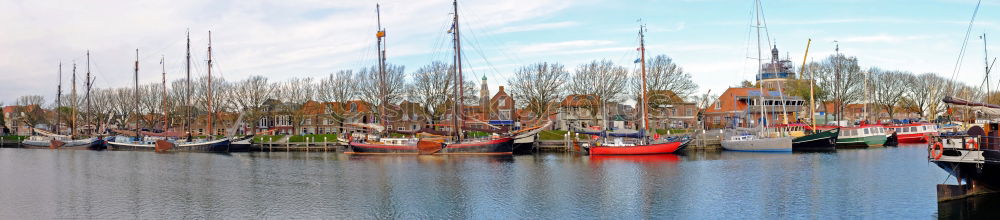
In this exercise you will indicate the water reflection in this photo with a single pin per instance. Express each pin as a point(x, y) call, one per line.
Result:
point(866, 183)
point(979, 207)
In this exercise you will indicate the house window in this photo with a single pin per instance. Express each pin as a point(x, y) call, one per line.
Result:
point(689, 112)
point(718, 105)
point(502, 101)
point(504, 114)
point(354, 107)
point(308, 121)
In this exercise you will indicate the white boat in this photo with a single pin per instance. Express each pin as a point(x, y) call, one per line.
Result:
point(93, 143)
point(758, 144)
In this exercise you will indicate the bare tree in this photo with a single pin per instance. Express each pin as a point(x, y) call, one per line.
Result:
point(842, 77)
point(102, 107)
point(431, 85)
point(369, 86)
point(294, 93)
point(602, 81)
point(200, 96)
point(923, 93)
point(887, 89)
point(249, 96)
point(338, 88)
point(662, 74)
point(537, 85)
point(123, 106)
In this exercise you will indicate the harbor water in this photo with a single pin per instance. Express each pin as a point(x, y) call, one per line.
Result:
point(878, 183)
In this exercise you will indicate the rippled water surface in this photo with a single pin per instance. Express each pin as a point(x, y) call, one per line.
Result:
point(895, 183)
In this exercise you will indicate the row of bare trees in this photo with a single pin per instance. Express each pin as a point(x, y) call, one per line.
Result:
point(535, 86)
point(840, 80)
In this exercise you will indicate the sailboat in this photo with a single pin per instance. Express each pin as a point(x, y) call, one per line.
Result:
point(644, 145)
point(173, 141)
point(763, 140)
point(45, 139)
point(457, 144)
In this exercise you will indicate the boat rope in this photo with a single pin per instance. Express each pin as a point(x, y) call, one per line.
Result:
point(961, 52)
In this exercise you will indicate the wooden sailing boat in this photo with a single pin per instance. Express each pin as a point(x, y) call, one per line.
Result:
point(644, 145)
point(763, 140)
point(458, 145)
point(50, 140)
point(173, 141)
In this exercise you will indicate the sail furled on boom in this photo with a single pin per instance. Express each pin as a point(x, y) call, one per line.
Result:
point(975, 107)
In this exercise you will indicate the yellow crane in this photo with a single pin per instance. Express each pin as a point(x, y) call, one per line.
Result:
point(812, 99)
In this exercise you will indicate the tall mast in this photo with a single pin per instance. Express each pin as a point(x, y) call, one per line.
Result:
point(210, 111)
point(187, 92)
point(137, 114)
point(72, 120)
point(986, 64)
point(381, 67)
point(164, 103)
point(89, 86)
point(59, 100)
point(642, 59)
point(760, 84)
point(836, 72)
point(458, 76)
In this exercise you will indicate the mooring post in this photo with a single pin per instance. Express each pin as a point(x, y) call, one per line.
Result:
point(325, 148)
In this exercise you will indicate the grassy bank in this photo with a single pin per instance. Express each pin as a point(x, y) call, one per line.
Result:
point(313, 138)
point(555, 135)
point(266, 138)
point(672, 131)
point(296, 138)
point(13, 137)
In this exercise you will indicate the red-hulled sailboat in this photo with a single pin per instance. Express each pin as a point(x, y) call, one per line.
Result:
point(643, 146)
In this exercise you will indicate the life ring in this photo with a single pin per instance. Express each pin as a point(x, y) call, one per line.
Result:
point(937, 150)
point(975, 145)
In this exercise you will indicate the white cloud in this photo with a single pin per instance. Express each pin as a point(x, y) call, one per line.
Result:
point(880, 38)
point(277, 39)
point(555, 47)
point(534, 27)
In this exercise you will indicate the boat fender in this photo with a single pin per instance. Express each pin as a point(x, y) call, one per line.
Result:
point(937, 150)
point(975, 145)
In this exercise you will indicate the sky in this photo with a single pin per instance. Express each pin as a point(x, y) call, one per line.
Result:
point(711, 39)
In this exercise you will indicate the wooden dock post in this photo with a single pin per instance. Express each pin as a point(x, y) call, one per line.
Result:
point(325, 148)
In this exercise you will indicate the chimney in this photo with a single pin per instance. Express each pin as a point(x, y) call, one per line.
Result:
point(501, 89)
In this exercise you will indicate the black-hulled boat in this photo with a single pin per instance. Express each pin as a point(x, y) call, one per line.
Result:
point(818, 141)
point(973, 158)
point(892, 140)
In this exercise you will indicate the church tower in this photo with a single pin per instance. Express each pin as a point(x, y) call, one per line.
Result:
point(484, 98)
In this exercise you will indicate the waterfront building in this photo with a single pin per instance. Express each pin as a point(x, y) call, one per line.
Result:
point(667, 110)
point(741, 107)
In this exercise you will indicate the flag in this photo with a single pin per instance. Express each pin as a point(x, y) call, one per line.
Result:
point(637, 61)
point(452, 28)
